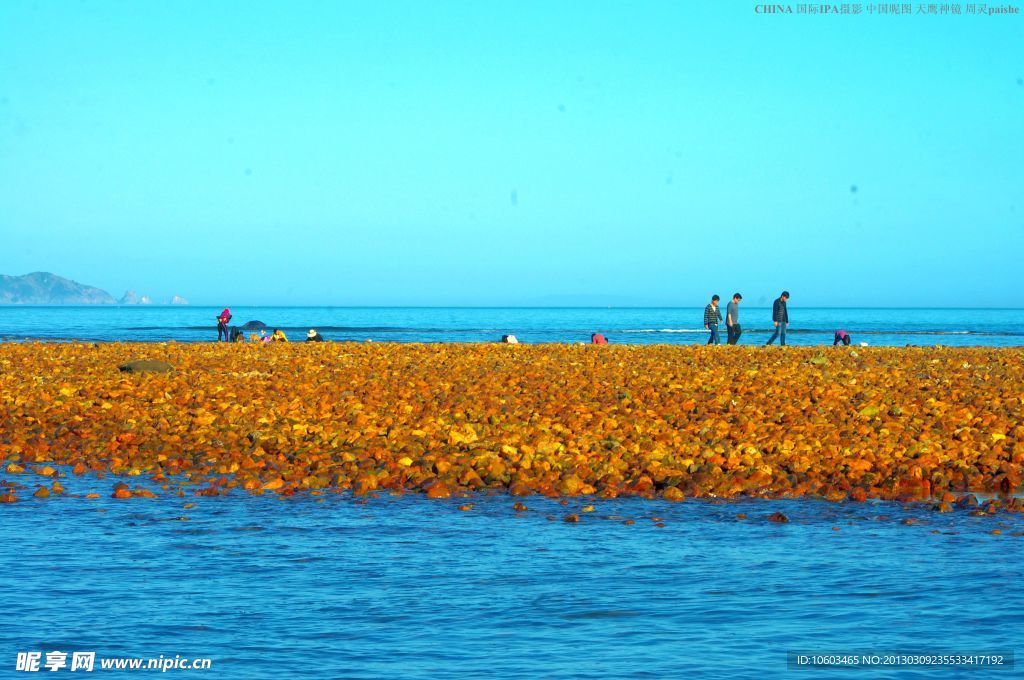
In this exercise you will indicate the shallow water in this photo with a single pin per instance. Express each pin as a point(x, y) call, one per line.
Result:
point(409, 587)
point(641, 326)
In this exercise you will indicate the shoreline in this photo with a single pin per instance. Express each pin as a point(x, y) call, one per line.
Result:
point(654, 421)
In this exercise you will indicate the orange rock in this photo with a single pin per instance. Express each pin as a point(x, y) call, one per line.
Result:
point(778, 517)
point(672, 494)
point(571, 518)
point(42, 492)
point(121, 494)
point(438, 490)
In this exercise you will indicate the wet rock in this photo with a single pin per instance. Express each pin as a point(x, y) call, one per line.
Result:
point(439, 490)
point(672, 494)
point(778, 517)
point(967, 501)
point(145, 366)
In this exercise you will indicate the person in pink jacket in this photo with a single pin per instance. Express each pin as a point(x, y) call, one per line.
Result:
point(222, 325)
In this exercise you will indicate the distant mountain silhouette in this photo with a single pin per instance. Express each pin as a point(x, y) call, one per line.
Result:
point(44, 288)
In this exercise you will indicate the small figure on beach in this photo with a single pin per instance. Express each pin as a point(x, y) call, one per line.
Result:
point(237, 335)
point(598, 339)
point(314, 336)
point(780, 317)
point(278, 336)
point(732, 320)
point(712, 317)
point(510, 339)
point(222, 325)
point(842, 337)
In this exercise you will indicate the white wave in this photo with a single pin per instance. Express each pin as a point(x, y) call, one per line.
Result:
point(667, 330)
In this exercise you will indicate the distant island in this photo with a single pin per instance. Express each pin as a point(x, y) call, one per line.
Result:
point(44, 288)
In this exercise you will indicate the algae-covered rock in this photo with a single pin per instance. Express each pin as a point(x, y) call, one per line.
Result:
point(145, 366)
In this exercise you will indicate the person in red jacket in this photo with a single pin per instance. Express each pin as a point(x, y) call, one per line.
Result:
point(222, 325)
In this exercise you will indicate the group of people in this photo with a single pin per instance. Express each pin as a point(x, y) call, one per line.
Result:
point(226, 333)
point(713, 317)
point(780, 320)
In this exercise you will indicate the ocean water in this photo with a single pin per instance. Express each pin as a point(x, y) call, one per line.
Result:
point(808, 326)
point(405, 587)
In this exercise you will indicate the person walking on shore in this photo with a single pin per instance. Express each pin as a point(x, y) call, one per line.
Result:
point(732, 320)
point(712, 316)
point(222, 325)
point(780, 317)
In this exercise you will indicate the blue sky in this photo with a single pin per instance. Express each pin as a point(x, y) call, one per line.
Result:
point(512, 153)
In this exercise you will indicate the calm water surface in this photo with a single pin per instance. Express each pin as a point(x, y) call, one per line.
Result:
point(406, 587)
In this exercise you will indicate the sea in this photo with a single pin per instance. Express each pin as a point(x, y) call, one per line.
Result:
point(627, 325)
point(405, 587)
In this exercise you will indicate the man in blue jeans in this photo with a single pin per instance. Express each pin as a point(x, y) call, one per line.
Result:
point(732, 320)
point(712, 316)
point(780, 317)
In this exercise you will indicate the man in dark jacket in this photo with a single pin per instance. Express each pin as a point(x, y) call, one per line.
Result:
point(780, 317)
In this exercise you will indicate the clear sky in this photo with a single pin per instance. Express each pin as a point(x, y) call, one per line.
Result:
point(512, 153)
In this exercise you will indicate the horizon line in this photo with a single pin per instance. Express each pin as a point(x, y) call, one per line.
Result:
point(107, 305)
